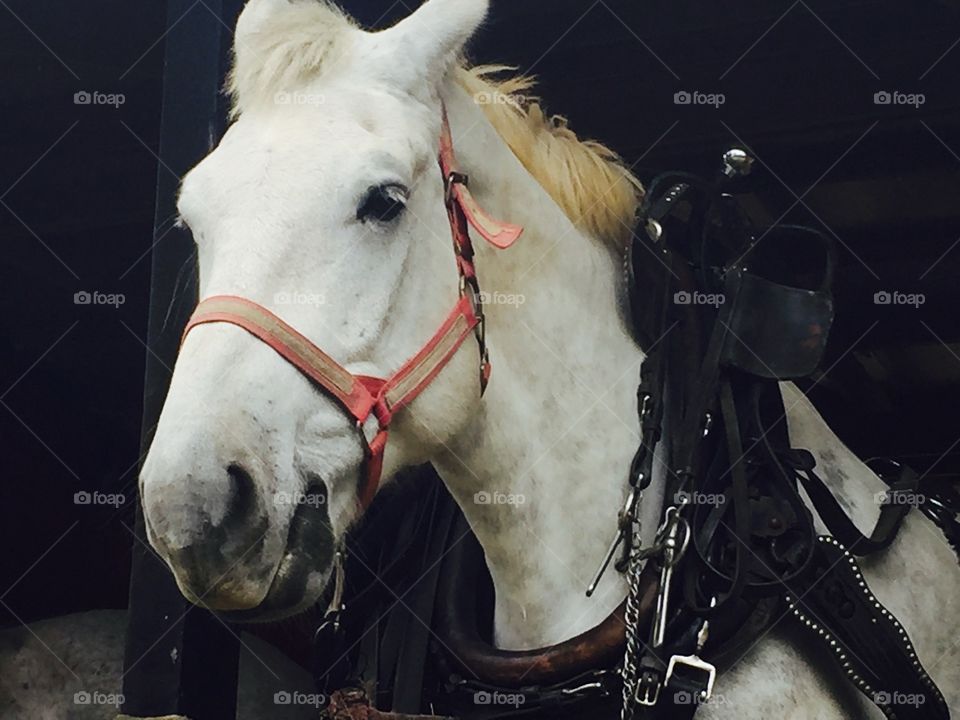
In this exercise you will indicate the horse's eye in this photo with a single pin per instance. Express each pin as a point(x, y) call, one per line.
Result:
point(383, 203)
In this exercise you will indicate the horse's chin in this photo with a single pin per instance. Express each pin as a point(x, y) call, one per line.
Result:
point(271, 610)
point(304, 573)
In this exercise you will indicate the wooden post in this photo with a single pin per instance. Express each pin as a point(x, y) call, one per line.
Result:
point(180, 661)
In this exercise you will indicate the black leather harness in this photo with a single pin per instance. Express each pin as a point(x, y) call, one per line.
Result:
point(735, 311)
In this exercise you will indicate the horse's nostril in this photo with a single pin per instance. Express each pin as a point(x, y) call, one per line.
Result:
point(316, 493)
point(210, 523)
point(243, 495)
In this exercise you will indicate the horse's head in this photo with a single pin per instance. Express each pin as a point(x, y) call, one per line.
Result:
point(324, 204)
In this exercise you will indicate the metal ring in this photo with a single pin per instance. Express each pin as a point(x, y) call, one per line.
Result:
point(685, 526)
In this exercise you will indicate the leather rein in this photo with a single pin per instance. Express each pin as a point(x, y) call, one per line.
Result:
point(363, 397)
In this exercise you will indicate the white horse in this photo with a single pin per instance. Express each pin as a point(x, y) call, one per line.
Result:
point(323, 203)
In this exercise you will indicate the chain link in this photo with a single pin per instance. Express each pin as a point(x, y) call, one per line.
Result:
point(632, 620)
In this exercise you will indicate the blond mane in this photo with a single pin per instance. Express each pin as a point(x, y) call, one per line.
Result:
point(278, 51)
point(585, 178)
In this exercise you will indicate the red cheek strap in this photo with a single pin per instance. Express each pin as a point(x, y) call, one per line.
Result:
point(360, 396)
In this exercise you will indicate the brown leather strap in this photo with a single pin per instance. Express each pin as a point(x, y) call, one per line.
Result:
point(599, 647)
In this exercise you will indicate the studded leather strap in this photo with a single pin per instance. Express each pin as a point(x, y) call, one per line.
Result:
point(868, 642)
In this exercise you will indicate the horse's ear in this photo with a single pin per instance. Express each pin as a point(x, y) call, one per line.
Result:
point(278, 22)
point(280, 43)
point(428, 42)
point(255, 14)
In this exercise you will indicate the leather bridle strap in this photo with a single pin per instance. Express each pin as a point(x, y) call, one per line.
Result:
point(361, 396)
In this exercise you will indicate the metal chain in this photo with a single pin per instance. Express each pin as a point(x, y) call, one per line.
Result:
point(631, 654)
point(629, 527)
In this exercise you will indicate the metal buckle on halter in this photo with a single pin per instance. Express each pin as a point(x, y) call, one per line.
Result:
point(368, 434)
point(454, 178)
point(480, 331)
point(475, 300)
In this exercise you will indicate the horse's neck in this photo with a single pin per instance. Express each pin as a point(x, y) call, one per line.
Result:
point(555, 432)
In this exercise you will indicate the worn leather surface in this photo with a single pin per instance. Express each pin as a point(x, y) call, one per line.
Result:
point(599, 647)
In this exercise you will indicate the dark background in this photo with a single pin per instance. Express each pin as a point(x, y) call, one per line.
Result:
point(78, 186)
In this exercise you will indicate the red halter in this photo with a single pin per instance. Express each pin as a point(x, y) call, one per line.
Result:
point(361, 396)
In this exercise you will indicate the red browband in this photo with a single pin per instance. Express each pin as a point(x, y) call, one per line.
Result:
point(361, 396)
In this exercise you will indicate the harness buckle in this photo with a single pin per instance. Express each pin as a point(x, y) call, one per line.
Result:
point(694, 670)
point(671, 549)
point(648, 688)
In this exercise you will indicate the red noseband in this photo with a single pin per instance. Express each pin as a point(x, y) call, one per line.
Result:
point(361, 396)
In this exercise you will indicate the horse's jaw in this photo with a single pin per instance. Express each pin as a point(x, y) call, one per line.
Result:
point(542, 473)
